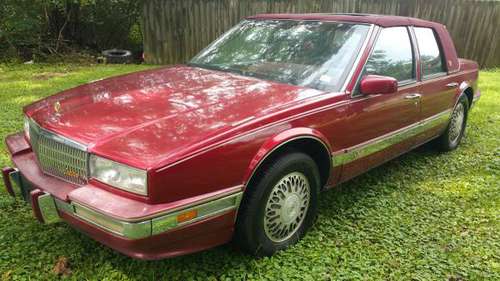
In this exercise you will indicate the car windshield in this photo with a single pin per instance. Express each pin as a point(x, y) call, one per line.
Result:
point(312, 54)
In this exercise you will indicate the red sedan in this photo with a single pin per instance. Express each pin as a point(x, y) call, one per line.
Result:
point(239, 143)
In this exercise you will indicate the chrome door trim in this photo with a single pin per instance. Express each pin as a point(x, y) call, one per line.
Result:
point(375, 145)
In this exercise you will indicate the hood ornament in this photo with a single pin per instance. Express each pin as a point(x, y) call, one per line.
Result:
point(57, 107)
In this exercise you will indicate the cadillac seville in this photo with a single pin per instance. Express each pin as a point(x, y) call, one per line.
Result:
point(238, 143)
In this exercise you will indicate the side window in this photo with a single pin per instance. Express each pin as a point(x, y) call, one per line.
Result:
point(431, 59)
point(392, 55)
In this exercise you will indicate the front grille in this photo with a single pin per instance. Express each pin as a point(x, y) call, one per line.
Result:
point(58, 156)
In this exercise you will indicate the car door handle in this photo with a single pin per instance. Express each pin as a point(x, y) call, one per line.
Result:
point(452, 85)
point(413, 96)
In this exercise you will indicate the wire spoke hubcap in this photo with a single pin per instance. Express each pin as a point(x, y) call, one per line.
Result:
point(456, 123)
point(286, 207)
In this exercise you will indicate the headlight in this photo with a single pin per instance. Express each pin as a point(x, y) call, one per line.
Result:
point(27, 127)
point(118, 175)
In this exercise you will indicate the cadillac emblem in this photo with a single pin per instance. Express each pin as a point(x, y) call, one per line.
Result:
point(57, 107)
point(70, 173)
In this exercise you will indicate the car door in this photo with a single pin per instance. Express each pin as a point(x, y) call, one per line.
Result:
point(376, 121)
point(438, 89)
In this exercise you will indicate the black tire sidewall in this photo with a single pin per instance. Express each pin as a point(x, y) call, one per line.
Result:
point(113, 58)
point(257, 241)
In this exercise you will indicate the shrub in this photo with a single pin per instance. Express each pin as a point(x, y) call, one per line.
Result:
point(35, 29)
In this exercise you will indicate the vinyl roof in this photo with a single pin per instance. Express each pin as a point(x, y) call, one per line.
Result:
point(382, 20)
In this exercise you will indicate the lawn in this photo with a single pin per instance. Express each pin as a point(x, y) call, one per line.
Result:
point(423, 216)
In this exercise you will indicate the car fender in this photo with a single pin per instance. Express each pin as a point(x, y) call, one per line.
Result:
point(278, 140)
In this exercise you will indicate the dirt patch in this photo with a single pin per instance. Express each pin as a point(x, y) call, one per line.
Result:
point(62, 267)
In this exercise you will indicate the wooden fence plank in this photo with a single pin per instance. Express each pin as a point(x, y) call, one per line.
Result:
point(175, 30)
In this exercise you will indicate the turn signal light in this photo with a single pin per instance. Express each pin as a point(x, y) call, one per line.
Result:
point(187, 216)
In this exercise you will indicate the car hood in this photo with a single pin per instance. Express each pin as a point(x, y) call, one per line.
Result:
point(144, 117)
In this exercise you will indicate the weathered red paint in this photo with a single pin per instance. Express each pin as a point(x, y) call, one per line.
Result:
point(200, 132)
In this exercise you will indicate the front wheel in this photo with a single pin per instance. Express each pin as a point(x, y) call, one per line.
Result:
point(454, 133)
point(279, 207)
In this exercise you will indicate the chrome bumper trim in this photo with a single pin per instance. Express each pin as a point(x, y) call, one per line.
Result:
point(152, 226)
point(121, 228)
point(20, 187)
point(50, 209)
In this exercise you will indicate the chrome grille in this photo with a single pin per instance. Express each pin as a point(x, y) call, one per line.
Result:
point(58, 156)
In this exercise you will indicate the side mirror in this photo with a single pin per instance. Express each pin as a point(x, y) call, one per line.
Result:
point(376, 84)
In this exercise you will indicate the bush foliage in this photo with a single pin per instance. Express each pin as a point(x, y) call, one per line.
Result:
point(35, 29)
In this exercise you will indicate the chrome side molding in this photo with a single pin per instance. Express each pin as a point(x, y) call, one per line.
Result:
point(372, 146)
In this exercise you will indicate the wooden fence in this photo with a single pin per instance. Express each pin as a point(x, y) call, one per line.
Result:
point(175, 30)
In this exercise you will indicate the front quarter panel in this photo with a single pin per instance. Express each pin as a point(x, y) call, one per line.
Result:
point(223, 166)
point(230, 163)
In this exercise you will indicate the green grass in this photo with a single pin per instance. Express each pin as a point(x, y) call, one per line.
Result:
point(422, 216)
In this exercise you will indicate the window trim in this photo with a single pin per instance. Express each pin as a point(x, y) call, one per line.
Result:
point(404, 83)
point(351, 73)
point(435, 75)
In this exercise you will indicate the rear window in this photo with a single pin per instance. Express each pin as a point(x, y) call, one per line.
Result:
point(431, 58)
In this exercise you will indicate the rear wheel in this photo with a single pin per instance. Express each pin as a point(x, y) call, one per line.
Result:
point(280, 206)
point(454, 133)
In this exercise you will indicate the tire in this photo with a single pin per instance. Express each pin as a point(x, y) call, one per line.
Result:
point(259, 221)
point(116, 56)
point(454, 133)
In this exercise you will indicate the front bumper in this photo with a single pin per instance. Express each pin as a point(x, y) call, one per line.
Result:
point(134, 228)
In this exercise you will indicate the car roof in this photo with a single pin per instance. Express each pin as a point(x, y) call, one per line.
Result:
point(381, 20)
